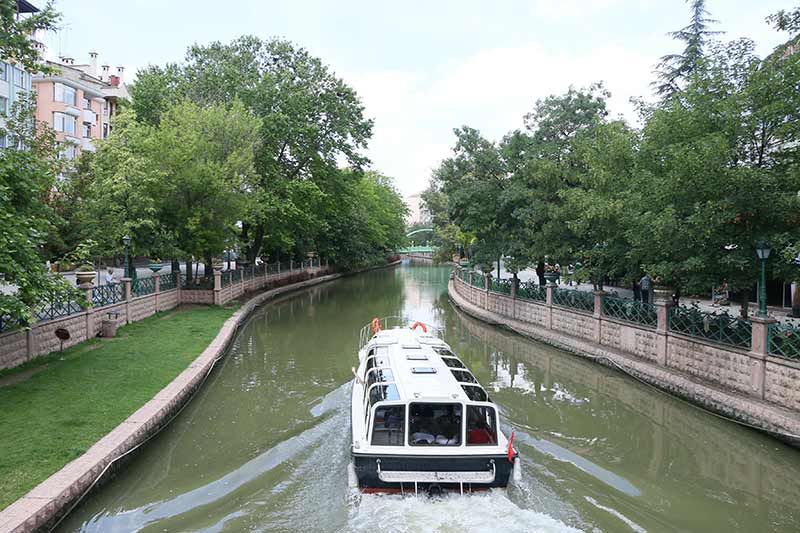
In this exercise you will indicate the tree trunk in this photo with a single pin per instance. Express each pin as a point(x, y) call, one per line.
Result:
point(176, 265)
point(796, 300)
point(209, 267)
point(188, 270)
point(499, 258)
point(258, 242)
point(745, 312)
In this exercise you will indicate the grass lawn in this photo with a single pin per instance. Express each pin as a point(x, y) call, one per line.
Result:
point(65, 402)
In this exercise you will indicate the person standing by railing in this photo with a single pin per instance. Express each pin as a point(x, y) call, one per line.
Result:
point(109, 276)
point(645, 283)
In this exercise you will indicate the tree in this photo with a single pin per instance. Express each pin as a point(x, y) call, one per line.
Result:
point(15, 39)
point(26, 180)
point(311, 120)
point(179, 187)
point(785, 20)
point(674, 68)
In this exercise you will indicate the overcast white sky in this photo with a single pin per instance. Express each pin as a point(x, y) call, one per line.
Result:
point(424, 68)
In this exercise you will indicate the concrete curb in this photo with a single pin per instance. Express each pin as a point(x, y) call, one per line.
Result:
point(50, 500)
point(776, 421)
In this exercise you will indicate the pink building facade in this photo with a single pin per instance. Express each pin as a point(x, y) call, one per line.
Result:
point(78, 104)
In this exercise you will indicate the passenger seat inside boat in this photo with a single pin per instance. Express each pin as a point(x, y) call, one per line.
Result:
point(435, 424)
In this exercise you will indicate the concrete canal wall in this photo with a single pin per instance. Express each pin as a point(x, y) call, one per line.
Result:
point(750, 386)
point(43, 506)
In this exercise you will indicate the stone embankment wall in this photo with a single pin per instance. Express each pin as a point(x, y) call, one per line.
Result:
point(748, 385)
point(22, 345)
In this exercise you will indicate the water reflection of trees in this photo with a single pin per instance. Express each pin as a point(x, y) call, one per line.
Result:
point(574, 401)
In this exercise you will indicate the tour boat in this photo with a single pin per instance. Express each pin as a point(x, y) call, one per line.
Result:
point(420, 420)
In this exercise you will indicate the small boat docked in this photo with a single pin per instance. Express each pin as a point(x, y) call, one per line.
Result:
point(420, 420)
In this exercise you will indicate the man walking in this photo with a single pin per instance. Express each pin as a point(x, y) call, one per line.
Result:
point(644, 283)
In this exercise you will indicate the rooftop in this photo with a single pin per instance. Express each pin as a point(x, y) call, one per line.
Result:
point(422, 367)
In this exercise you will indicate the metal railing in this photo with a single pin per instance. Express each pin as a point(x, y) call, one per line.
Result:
point(143, 286)
point(784, 341)
point(630, 311)
point(201, 283)
point(574, 299)
point(529, 290)
point(112, 293)
point(392, 322)
point(500, 286)
point(7, 323)
point(720, 328)
point(168, 281)
point(53, 309)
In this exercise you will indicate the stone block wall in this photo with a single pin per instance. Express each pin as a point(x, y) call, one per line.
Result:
point(19, 346)
point(781, 383)
point(752, 373)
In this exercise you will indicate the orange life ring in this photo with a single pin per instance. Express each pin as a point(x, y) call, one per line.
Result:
point(376, 325)
point(424, 327)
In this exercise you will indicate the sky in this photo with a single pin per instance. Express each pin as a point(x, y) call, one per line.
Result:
point(423, 68)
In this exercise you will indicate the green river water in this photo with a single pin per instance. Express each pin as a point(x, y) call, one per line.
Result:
point(265, 443)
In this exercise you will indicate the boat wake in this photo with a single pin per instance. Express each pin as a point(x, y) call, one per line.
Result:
point(456, 513)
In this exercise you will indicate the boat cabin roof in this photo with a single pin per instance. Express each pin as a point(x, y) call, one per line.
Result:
point(415, 366)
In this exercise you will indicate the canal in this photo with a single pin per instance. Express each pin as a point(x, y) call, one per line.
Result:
point(264, 445)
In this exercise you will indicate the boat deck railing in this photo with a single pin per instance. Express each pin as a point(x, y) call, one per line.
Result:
point(392, 322)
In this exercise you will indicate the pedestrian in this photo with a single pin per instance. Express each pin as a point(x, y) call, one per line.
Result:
point(109, 276)
point(676, 297)
point(637, 291)
point(644, 283)
point(558, 271)
point(540, 272)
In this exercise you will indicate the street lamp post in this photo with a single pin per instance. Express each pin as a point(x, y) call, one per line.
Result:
point(763, 250)
point(127, 241)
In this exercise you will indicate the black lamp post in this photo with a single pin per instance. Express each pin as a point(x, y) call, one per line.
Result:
point(127, 242)
point(763, 250)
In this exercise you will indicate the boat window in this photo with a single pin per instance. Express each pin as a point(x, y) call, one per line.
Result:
point(423, 370)
point(388, 429)
point(416, 357)
point(382, 392)
point(441, 350)
point(481, 426)
point(434, 424)
point(376, 360)
point(476, 393)
point(463, 376)
point(379, 375)
point(452, 362)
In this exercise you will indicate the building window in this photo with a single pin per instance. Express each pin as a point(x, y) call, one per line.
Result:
point(3, 72)
point(87, 130)
point(3, 141)
point(86, 103)
point(64, 93)
point(68, 151)
point(105, 131)
point(3, 105)
point(19, 78)
point(64, 123)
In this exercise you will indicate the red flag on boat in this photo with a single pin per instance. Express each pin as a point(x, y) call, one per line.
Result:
point(511, 448)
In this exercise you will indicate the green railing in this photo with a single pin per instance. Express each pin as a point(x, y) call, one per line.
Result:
point(500, 286)
point(225, 278)
point(143, 286)
point(108, 294)
point(630, 311)
point(784, 341)
point(7, 323)
point(478, 280)
point(720, 328)
point(167, 282)
point(197, 283)
point(529, 290)
point(581, 300)
point(56, 308)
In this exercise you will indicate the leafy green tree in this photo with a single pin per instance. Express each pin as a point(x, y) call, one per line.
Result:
point(311, 120)
point(674, 68)
point(26, 180)
point(15, 39)
point(179, 187)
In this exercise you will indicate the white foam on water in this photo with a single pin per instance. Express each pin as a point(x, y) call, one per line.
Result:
point(453, 513)
point(630, 523)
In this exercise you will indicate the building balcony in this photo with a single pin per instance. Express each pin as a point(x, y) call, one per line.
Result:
point(86, 145)
point(89, 116)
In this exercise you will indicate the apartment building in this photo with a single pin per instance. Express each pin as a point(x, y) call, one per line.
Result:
point(13, 79)
point(78, 103)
